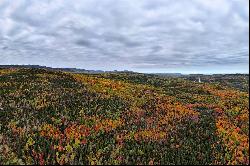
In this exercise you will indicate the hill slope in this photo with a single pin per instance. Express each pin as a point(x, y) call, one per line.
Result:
point(49, 117)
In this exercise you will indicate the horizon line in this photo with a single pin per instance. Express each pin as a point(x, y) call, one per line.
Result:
point(123, 70)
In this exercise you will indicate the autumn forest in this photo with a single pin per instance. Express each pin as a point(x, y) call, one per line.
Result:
point(54, 117)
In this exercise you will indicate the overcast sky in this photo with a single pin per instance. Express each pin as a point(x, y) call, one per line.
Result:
point(187, 36)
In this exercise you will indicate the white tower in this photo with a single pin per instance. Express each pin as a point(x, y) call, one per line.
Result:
point(199, 79)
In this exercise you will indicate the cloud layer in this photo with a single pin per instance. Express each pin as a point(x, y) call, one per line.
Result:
point(146, 35)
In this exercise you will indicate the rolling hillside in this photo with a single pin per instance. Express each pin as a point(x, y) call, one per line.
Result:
point(53, 117)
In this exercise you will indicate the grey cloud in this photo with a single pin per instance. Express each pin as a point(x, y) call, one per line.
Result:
point(126, 34)
point(120, 39)
point(84, 43)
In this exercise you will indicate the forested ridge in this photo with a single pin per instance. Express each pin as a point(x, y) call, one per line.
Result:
point(53, 117)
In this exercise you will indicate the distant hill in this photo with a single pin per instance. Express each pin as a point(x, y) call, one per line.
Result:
point(77, 70)
point(72, 70)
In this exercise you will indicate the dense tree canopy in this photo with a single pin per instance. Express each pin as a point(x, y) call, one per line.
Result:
point(49, 117)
